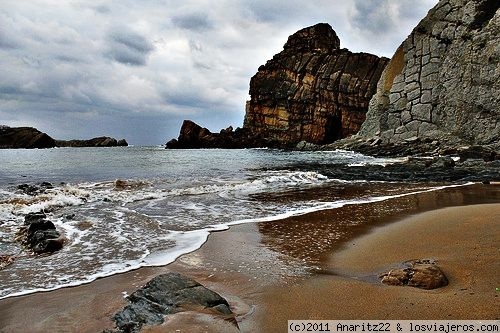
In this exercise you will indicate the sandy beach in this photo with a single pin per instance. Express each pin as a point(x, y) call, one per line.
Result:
point(297, 269)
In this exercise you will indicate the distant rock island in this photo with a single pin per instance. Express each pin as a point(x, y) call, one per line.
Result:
point(24, 137)
point(29, 137)
point(439, 93)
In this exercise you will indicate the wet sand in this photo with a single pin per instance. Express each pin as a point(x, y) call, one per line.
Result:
point(317, 266)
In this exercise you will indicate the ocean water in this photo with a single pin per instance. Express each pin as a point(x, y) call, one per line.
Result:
point(127, 207)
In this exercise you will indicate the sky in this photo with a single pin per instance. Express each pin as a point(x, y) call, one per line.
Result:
point(135, 69)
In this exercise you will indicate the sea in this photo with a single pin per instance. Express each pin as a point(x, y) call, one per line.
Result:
point(128, 207)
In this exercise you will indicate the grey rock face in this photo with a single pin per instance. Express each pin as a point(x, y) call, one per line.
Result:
point(166, 294)
point(443, 82)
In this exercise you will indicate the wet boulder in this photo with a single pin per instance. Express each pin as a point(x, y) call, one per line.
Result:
point(167, 294)
point(423, 274)
point(39, 234)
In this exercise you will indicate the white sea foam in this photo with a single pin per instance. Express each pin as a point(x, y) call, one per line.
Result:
point(118, 240)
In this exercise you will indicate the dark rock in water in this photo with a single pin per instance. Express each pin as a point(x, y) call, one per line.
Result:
point(28, 137)
point(193, 135)
point(24, 137)
point(39, 234)
point(35, 189)
point(423, 274)
point(33, 217)
point(102, 141)
point(166, 294)
point(477, 152)
point(41, 224)
point(46, 242)
point(443, 162)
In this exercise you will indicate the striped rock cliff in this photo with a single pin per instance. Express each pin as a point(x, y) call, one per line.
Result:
point(312, 91)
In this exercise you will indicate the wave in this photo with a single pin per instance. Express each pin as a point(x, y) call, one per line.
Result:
point(179, 242)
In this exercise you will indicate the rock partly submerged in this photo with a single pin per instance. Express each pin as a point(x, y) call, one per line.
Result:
point(168, 294)
point(39, 234)
point(193, 136)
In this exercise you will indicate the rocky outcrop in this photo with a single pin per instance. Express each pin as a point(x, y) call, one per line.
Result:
point(423, 274)
point(193, 135)
point(29, 137)
point(24, 137)
point(440, 88)
point(39, 234)
point(102, 141)
point(166, 294)
point(312, 90)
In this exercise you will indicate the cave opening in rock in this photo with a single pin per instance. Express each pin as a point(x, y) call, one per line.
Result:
point(333, 129)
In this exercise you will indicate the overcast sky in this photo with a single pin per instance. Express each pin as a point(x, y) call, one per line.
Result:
point(135, 69)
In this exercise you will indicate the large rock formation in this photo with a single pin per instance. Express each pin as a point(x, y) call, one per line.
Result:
point(312, 91)
point(193, 135)
point(24, 137)
point(442, 84)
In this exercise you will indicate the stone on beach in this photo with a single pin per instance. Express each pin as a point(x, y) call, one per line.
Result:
point(167, 294)
point(423, 274)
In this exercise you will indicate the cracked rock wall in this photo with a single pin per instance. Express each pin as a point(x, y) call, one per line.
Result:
point(443, 82)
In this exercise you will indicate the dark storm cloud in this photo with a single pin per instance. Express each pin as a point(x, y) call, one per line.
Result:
point(128, 47)
point(194, 22)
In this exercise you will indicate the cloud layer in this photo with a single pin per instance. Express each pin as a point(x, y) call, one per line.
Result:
point(136, 69)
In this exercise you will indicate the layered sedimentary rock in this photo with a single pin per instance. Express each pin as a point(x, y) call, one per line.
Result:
point(24, 137)
point(312, 91)
point(442, 84)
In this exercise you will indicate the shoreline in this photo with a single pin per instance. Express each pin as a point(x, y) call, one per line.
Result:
point(246, 264)
point(349, 201)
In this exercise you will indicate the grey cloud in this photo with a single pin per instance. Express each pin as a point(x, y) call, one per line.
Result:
point(129, 48)
point(194, 22)
point(6, 42)
point(372, 15)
